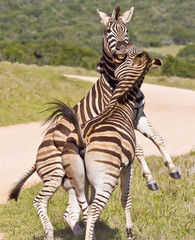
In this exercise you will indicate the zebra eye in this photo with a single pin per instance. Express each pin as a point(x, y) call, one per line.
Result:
point(108, 31)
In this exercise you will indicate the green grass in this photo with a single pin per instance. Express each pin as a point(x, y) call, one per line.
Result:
point(164, 214)
point(25, 89)
point(165, 50)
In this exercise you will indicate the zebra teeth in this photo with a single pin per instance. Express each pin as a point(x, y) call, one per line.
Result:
point(121, 56)
point(118, 61)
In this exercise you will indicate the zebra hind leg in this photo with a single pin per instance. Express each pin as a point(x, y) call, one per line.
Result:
point(126, 200)
point(42, 200)
point(144, 126)
point(158, 141)
point(150, 181)
point(73, 210)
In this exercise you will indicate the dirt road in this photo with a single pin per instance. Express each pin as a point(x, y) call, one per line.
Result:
point(171, 110)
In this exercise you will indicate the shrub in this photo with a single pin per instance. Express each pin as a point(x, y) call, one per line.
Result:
point(187, 53)
point(50, 53)
point(176, 67)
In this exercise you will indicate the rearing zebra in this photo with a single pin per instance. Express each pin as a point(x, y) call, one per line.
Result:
point(48, 161)
point(108, 141)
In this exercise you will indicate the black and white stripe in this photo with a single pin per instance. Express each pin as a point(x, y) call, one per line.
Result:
point(109, 144)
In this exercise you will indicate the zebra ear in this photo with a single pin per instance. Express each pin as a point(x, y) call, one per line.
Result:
point(126, 17)
point(104, 18)
point(156, 63)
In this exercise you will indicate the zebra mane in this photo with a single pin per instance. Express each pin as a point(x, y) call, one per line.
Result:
point(117, 12)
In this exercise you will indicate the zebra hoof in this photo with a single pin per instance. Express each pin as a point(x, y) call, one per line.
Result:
point(175, 175)
point(77, 230)
point(49, 236)
point(152, 186)
point(130, 234)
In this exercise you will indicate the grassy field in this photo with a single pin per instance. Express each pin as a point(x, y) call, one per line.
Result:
point(178, 82)
point(25, 89)
point(167, 214)
point(165, 50)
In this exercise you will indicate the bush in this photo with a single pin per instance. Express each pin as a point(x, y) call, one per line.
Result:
point(187, 53)
point(176, 67)
point(50, 53)
point(182, 36)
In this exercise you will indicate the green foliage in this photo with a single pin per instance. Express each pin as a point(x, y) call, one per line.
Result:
point(152, 41)
point(176, 67)
point(50, 53)
point(70, 33)
point(182, 36)
point(187, 53)
point(163, 214)
point(76, 23)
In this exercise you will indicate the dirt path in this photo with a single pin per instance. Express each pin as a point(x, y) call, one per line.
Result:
point(171, 110)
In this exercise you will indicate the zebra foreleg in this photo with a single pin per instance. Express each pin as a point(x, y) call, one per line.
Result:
point(145, 127)
point(125, 178)
point(50, 186)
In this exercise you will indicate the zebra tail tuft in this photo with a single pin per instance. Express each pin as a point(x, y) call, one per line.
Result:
point(15, 191)
point(62, 110)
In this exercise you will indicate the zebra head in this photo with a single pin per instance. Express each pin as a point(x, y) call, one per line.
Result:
point(115, 39)
point(137, 63)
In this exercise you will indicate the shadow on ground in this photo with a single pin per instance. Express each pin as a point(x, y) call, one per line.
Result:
point(102, 231)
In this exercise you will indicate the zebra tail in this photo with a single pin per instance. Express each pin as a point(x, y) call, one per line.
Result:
point(15, 191)
point(60, 109)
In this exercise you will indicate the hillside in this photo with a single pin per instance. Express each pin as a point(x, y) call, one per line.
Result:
point(69, 33)
point(76, 22)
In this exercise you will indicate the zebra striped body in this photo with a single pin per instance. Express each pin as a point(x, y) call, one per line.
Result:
point(144, 126)
point(110, 146)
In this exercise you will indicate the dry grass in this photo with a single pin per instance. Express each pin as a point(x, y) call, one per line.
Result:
point(165, 50)
point(178, 82)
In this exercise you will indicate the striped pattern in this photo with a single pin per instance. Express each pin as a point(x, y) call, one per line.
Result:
point(110, 146)
point(144, 126)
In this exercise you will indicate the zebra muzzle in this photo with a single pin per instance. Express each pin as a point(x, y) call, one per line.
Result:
point(118, 58)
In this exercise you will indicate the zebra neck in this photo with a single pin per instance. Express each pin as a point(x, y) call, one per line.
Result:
point(126, 94)
point(95, 101)
point(108, 70)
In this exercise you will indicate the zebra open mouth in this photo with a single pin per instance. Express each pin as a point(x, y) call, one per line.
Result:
point(119, 58)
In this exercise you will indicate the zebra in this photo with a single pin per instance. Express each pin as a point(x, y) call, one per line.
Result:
point(103, 148)
point(145, 127)
point(48, 160)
